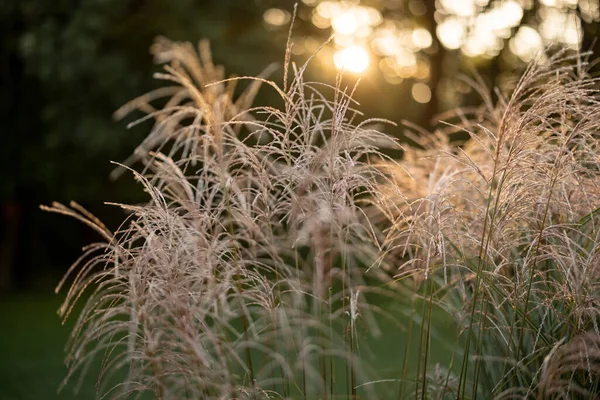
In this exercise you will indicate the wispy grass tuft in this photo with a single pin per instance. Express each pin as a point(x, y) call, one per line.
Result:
point(505, 226)
point(250, 270)
point(242, 277)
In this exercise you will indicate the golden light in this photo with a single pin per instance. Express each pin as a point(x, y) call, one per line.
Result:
point(572, 34)
point(393, 79)
point(421, 38)
point(354, 59)
point(405, 58)
point(327, 9)
point(482, 41)
point(403, 65)
point(359, 28)
point(345, 23)
point(526, 44)
point(349, 19)
point(451, 33)
point(344, 40)
point(421, 93)
point(590, 10)
point(511, 12)
point(388, 33)
point(385, 41)
point(478, 27)
point(311, 44)
point(423, 70)
point(373, 15)
point(389, 68)
point(276, 16)
point(462, 8)
point(559, 3)
point(560, 26)
point(319, 21)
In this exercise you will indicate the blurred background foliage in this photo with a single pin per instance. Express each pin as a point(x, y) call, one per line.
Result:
point(67, 65)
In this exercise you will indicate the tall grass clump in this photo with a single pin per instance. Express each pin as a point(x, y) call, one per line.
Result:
point(503, 231)
point(243, 274)
point(251, 270)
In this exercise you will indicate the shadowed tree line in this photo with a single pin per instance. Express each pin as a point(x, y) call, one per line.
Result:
point(67, 65)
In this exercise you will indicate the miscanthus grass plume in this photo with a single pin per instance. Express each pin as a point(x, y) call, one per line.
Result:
point(504, 230)
point(242, 277)
point(249, 270)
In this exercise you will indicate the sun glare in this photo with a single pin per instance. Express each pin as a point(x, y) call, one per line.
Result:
point(477, 29)
point(462, 8)
point(354, 59)
point(481, 29)
point(421, 93)
point(345, 23)
point(526, 44)
point(276, 17)
point(451, 33)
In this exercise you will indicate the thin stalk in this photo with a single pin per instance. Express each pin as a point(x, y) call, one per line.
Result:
point(332, 379)
point(463, 371)
point(247, 349)
point(303, 368)
point(349, 378)
point(156, 375)
point(490, 216)
point(352, 370)
point(484, 305)
point(424, 391)
point(330, 301)
point(320, 310)
point(450, 365)
point(540, 237)
point(284, 382)
point(407, 344)
point(420, 349)
point(240, 291)
point(324, 369)
point(508, 344)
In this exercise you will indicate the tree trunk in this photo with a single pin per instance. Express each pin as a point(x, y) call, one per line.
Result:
point(436, 61)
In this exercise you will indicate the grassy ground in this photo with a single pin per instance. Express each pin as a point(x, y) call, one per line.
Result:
point(32, 342)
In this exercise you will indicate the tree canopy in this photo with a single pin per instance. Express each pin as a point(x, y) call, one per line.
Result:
point(67, 65)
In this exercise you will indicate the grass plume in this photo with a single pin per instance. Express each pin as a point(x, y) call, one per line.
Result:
point(267, 231)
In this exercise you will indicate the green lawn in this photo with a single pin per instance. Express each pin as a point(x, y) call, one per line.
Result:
point(32, 342)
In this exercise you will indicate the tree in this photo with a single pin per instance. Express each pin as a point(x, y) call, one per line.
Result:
point(66, 66)
point(425, 44)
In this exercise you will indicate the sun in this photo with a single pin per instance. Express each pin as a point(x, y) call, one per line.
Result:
point(354, 59)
